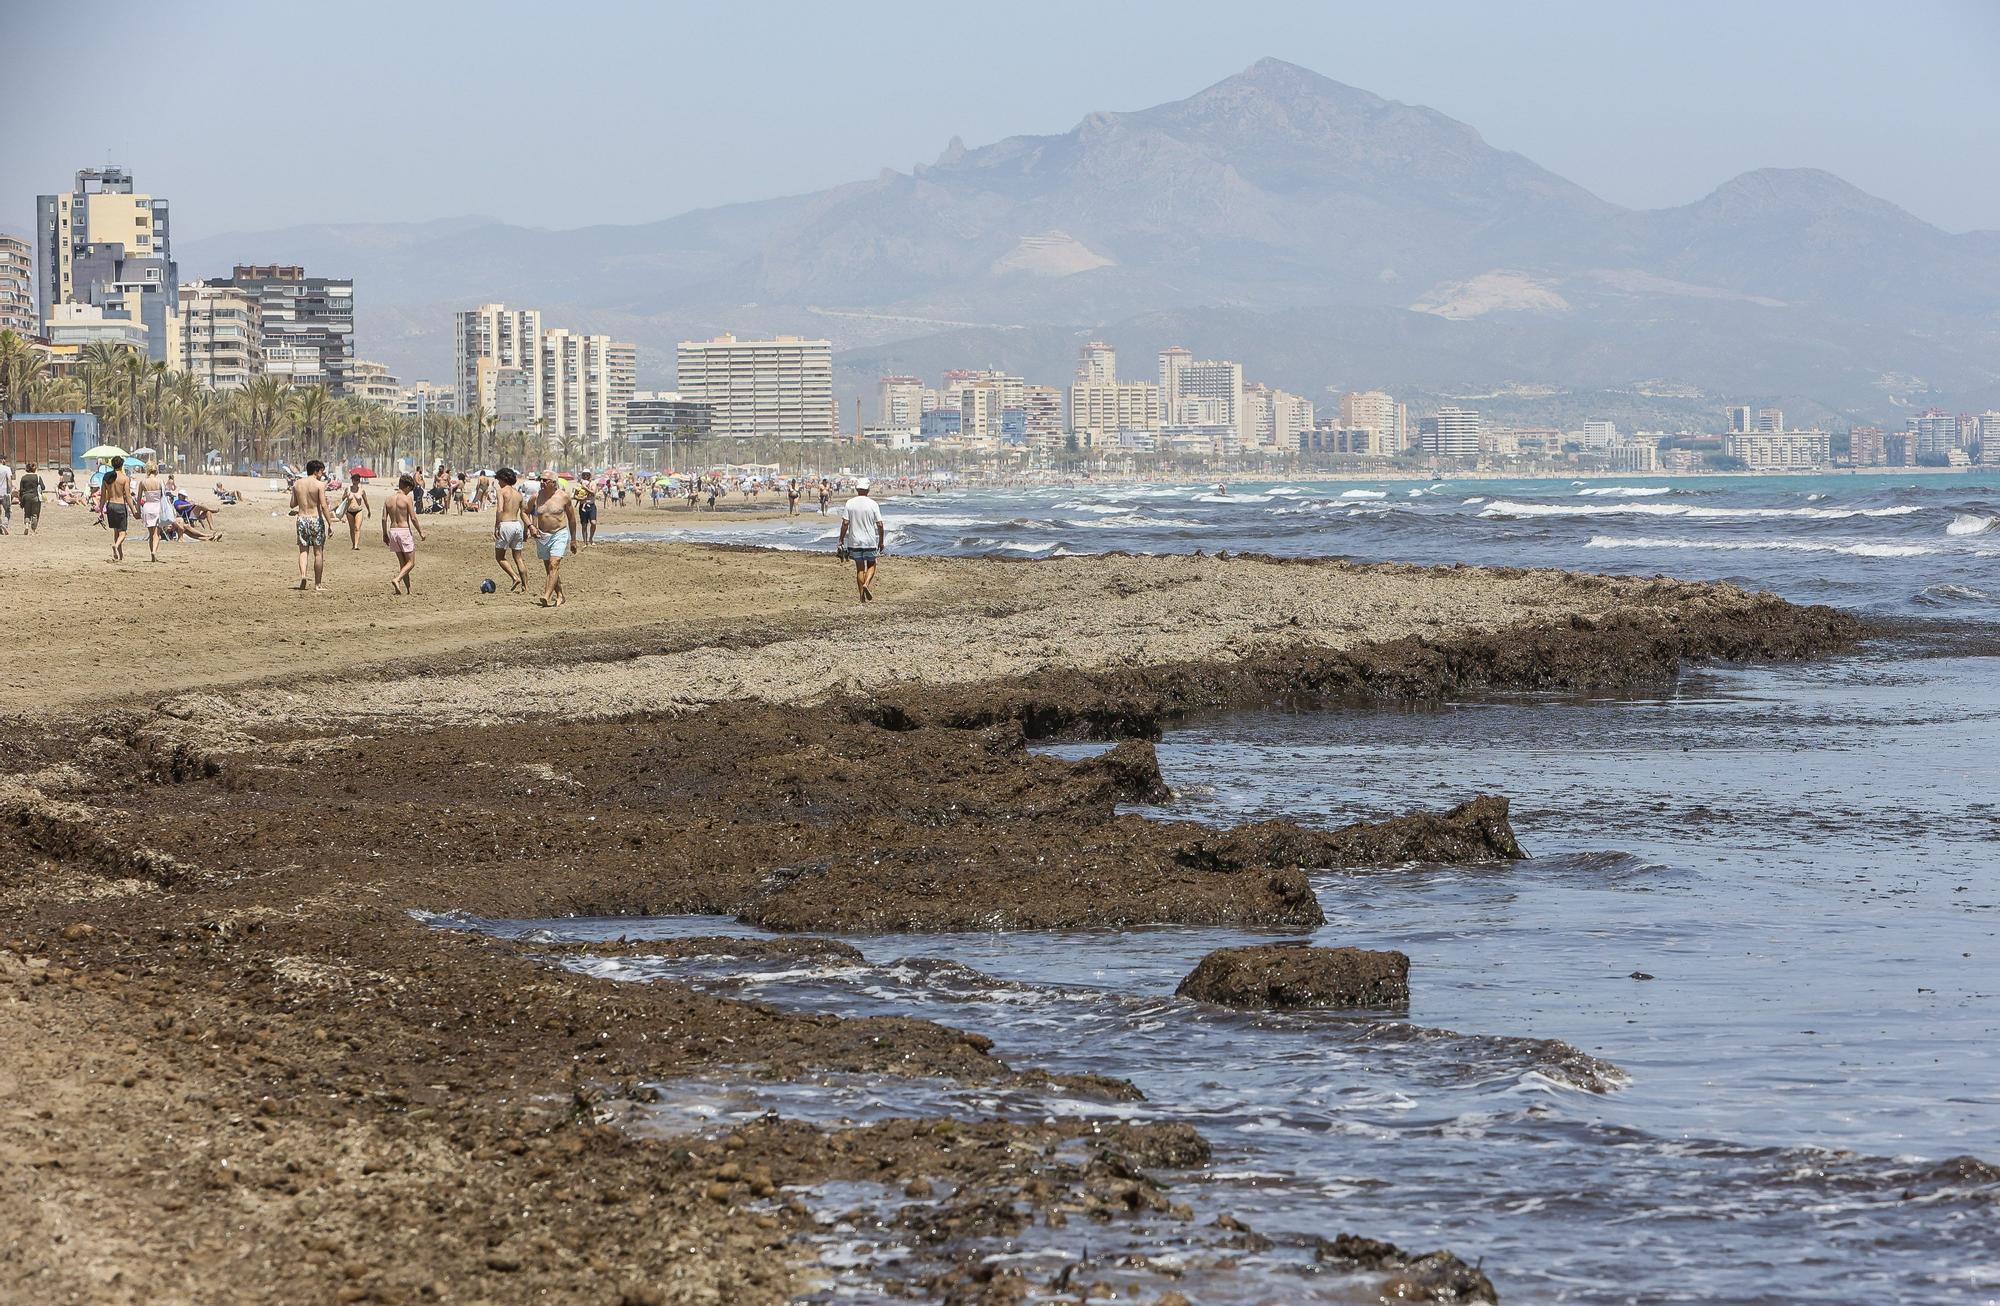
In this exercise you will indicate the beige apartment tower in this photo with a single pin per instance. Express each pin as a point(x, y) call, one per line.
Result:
point(781, 387)
point(221, 335)
point(488, 339)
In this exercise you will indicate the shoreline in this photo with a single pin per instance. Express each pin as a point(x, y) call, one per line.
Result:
point(293, 1087)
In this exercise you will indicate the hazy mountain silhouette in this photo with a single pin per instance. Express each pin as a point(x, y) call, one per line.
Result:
point(1344, 238)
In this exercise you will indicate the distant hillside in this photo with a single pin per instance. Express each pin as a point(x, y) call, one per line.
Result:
point(1318, 233)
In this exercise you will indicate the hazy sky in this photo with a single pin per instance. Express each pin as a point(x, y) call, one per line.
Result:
point(250, 116)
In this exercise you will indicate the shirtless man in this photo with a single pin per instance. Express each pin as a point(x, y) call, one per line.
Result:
point(152, 507)
point(510, 529)
point(309, 506)
point(552, 521)
point(401, 530)
point(355, 507)
point(482, 491)
point(116, 500)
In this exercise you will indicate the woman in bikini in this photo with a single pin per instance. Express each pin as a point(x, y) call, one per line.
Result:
point(354, 506)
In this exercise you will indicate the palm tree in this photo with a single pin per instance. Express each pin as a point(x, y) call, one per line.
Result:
point(308, 412)
point(51, 394)
point(266, 405)
point(21, 365)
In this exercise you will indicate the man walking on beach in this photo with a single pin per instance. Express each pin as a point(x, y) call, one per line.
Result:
point(864, 537)
point(401, 530)
point(116, 497)
point(7, 496)
point(552, 521)
point(309, 505)
point(509, 530)
point(30, 493)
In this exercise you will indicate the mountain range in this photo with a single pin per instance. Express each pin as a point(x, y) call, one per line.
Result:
point(1327, 238)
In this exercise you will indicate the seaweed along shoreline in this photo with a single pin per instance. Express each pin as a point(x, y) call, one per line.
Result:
point(247, 1070)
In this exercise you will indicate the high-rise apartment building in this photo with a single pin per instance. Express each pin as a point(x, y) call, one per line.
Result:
point(1104, 409)
point(17, 287)
point(307, 323)
point(1989, 439)
point(1741, 418)
point(1599, 435)
point(899, 403)
point(1380, 413)
point(1173, 361)
point(1933, 434)
point(624, 384)
point(105, 245)
point(1211, 394)
point(487, 339)
point(1097, 364)
point(1453, 433)
point(221, 335)
point(1043, 405)
point(1779, 451)
point(1771, 421)
point(1867, 447)
point(781, 387)
point(576, 392)
point(1274, 419)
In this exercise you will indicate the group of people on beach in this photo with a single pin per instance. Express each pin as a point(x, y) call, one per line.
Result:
point(120, 491)
point(548, 511)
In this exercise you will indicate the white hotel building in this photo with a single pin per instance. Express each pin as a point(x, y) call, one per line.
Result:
point(781, 387)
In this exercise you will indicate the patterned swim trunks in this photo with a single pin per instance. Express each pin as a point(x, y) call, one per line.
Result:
point(312, 532)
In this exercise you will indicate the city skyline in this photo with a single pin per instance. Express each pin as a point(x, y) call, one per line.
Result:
point(1682, 97)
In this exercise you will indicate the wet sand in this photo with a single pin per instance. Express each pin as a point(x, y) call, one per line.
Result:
point(242, 1071)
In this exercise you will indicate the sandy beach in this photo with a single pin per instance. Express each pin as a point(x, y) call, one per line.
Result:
point(241, 1070)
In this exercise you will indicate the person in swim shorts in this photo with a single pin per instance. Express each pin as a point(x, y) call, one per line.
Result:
point(401, 530)
point(309, 506)
point(552, 521)
point(510, 531)
point(116, 496)
point(864, 537)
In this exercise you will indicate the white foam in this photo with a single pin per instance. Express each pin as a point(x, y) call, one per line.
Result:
point(1232, 498)
point(1364, 494)
point(1628, 491)
point(1857, 550)
point(1469, 502)
point(1508, 508)
point(1970, 523)
point(1073, 506)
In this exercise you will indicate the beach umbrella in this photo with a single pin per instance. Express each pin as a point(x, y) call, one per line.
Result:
point(366, 473)
point(106, 451)
point(146, 449)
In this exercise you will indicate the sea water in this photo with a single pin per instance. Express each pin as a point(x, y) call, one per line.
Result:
point(1718, 1039)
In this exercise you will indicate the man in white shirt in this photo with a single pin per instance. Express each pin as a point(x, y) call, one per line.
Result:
point(6, 496)
point(863, 536)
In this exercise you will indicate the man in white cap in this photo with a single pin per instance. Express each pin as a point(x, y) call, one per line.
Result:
point(863, 536)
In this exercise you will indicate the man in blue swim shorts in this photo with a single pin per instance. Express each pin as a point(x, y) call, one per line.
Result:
point(552, 521)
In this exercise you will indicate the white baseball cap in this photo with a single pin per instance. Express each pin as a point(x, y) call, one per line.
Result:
point(861, 484)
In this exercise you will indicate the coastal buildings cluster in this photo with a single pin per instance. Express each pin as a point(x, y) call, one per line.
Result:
point(100, 272)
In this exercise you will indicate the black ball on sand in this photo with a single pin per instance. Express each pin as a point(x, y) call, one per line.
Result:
point(487, 587)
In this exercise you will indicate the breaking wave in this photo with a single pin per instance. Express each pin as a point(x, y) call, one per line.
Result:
point(1857, 550)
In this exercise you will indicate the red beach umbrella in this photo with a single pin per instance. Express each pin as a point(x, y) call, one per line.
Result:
point(367, 473)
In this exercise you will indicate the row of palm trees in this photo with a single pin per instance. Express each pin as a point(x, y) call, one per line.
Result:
point(143, 404)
